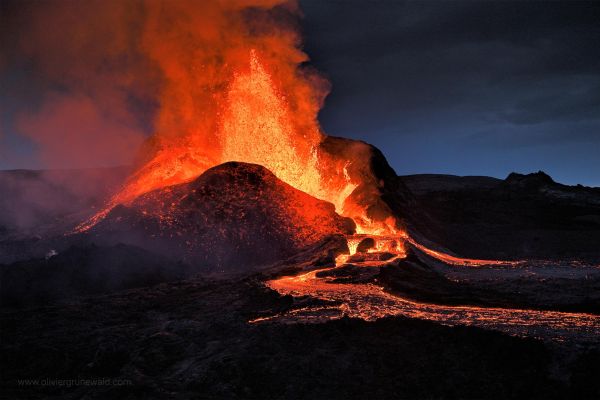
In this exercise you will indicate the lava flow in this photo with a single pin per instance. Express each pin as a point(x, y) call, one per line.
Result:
point(396, 244)
point(370, 301)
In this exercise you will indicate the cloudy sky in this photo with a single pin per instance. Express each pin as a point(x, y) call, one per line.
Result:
point(466, 88)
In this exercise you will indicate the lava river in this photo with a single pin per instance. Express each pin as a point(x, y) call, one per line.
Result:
point(369, 302)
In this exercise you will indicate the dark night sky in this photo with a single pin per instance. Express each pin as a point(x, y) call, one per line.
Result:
point(466, 88)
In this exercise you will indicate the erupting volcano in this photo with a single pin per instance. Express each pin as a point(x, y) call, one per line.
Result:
point(243, 252)
point(255, 124)
point(262, 109)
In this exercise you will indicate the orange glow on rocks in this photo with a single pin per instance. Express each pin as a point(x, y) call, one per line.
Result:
point(255, 124)
point(233, 89)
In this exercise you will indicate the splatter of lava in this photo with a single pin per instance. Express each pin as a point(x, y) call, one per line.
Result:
point(255, 126)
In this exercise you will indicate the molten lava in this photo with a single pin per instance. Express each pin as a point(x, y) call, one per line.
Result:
point(371, 302)
point(241, 96)
point(256, 128)
point(255, 125)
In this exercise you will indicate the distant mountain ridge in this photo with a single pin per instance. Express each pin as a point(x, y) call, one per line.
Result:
point(522, 216)
point(422, 183)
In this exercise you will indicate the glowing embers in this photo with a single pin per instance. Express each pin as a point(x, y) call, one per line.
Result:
point(376, 243)
point(253, 122)
point(256, 128)
point(353, 242)
point(458, 261)
point(254, 125)
point(371, 302)
point(373, 250)
point(367, 226)
point(361, 245)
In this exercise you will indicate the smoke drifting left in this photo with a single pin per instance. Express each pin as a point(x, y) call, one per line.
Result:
point(112, 73)
point(96, 84)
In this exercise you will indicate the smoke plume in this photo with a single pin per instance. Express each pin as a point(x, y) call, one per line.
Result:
point(115, 72)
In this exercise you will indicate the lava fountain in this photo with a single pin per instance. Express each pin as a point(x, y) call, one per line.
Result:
point(234, 91)
point(255, 125)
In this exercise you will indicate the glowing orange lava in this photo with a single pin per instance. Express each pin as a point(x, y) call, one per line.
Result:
point(256, 128)
point(370, 302)
point(465, 262)
point(397, 244)
point(255, 125)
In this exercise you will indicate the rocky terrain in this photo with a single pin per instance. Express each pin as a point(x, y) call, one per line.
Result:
point(544, 287)
point(166, 296)
point(234, 216)
point(192, 339)
point(523, 216)
point(85, 270)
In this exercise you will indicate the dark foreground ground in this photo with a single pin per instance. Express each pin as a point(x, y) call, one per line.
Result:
point(117, 321)
point(192, 339)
